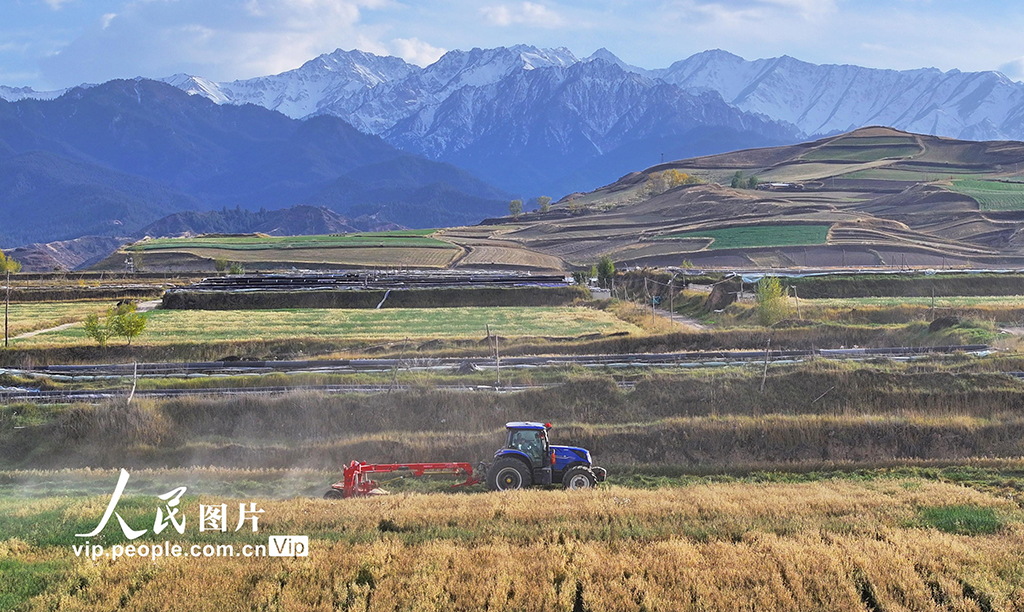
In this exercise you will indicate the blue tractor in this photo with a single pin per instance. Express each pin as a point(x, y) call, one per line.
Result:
point(527, 459)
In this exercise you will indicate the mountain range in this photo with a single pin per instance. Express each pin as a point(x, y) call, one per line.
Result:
point(445, 144)
point(535, 120)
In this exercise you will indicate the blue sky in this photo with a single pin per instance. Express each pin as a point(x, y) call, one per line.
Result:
point(58, 43)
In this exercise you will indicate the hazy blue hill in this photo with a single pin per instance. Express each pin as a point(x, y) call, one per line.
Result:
point(46, 197)
point(202, 156)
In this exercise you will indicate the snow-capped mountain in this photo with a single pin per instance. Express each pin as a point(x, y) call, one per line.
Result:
point(520, 117)
point(823, 99)
point(304, 91)
point(13, 94)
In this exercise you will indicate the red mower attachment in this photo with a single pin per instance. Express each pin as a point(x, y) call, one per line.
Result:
point(358, 484)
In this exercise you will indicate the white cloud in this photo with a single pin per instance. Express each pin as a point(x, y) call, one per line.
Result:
point(55, 4)
point(525, 13)
point(415, 51)
point(219, 40)
point(1014, 69)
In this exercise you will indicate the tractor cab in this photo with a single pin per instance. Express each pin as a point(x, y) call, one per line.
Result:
point(528, 459)
point(531, 440)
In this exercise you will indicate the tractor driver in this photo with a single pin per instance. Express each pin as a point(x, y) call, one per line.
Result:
point(531, 442)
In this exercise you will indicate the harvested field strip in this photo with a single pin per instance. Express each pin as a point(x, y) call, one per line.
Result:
point(861, 153)
point(177, 326)
point(416, 238)
point(759, 236)
point(428, 257)
point(909, 285)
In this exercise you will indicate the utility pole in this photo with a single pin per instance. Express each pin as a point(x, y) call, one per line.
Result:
point(671, 302)
point(7, 308)
point(798, 313)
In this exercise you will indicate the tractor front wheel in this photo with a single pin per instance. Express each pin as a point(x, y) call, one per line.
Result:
point(508, 474)
point(333, 494)
point(579, 477)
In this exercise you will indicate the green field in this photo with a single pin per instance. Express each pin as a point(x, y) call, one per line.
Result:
point(861, 153)
point(992, 195)
point(404, 238)
point(185, 326)
point(759, 236)
point(41, 315)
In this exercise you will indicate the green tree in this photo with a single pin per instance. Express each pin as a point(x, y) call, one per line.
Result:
point(752, 182)
point(125, 322)
point(515, 208)
point(575, 207)
point(605, 271)
point(98, 330)
point(581, 278)
point(220, 264)
point(772, 306)
point(8, 266)
point(737, 180)
point(545, 203)
point(236, 268)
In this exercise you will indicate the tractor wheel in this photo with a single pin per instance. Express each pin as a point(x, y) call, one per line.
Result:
point(508, 474)
point(333, 494)
point(579, 477)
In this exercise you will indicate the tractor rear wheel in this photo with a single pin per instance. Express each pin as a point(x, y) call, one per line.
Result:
point(579, 477)
point(333, 494)
point(508, 474)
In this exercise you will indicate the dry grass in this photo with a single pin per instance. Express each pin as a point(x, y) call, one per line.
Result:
point(825, 546)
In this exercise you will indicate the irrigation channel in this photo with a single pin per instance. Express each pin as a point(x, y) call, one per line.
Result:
point(213, 369)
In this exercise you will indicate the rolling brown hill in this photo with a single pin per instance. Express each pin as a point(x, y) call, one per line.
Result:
point(872, 197)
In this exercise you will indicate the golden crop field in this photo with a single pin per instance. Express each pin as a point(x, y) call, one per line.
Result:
point(184, 326)
point(887, 544)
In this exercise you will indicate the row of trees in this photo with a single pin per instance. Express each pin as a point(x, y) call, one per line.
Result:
point(515, 207)
point(738, 182)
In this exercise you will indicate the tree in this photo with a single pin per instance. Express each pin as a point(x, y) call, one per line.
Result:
point(127, 323)
point(545, 203)
point(515, 208)
point(575, 207)
point(97, 330)
point(236, 268)
point(737, 180)
point(581, 278)
point(605, 271)
point(121, 320)
point(220, 264)
point(752, 182)
point(7, 266)
point(771, 301)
